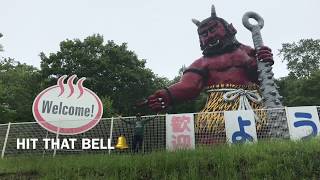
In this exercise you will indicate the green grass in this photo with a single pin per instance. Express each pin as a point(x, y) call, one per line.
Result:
point(264, 160)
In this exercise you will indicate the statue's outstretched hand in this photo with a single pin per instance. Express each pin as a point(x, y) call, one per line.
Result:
point(159, 101)
point(264, 54)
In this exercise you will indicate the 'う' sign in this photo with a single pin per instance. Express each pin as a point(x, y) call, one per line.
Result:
point(67, 108)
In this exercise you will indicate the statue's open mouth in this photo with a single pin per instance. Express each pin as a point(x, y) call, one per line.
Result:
point(214, 43)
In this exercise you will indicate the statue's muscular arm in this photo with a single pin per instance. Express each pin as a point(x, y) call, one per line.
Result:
point(189, 87)
point(263, 54)
point(252, 63)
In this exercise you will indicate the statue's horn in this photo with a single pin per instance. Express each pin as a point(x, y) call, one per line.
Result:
point(213, 11)
point(196, 22)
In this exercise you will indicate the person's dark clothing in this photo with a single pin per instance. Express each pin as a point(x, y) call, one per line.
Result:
point(137, 143)
point(138, 132)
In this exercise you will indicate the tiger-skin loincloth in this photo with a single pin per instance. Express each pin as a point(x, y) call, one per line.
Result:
point(211, 118)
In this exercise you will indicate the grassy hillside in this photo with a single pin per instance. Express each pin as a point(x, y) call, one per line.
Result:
point(264, 160)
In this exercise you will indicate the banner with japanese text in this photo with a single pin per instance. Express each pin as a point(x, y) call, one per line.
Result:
point(240, 126)
point(180, 131)
point(303, 122)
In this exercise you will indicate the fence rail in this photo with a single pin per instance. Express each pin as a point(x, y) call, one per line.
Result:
point(273, 125)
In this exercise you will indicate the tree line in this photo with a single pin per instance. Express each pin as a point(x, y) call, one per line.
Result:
point(121, 79)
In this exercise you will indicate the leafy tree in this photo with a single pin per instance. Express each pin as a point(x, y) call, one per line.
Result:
point(112, 71)
point(300, 92)
point(108, 110)
point(19, 84)
point(303, 58)
point(301, 86)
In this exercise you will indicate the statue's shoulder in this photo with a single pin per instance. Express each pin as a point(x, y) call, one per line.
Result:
point(198, 63)
point(249, 50)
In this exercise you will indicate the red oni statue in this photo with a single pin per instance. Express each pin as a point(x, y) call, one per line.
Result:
point(227, 71)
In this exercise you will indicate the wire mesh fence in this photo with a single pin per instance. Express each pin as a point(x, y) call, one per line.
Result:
point(271, 123)
point(3, 130)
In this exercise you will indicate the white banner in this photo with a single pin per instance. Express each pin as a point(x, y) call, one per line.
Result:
point(180, 131)
point(303, 122)
point(240, 126)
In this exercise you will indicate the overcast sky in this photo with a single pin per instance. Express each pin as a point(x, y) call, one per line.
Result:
point(159, 31)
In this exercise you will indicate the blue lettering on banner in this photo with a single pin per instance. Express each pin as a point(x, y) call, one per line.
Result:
point(305, 122)
point(241, 136)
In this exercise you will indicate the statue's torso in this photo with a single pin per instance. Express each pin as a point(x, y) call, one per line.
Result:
point(236, 67)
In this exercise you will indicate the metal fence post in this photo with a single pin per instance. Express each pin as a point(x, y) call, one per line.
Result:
point(55, 148)
point(44, 150)
point(111, 128)
point(5, 141)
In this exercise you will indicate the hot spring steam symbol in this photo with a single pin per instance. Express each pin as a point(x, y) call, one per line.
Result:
point(67, 108)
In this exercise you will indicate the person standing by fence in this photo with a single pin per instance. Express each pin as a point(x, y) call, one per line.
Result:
point(138, 133)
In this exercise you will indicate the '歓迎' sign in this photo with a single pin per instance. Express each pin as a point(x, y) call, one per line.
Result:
point(67, 108)
point(180, 131)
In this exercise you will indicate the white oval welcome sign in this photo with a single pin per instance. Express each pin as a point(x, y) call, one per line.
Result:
point(67, 109)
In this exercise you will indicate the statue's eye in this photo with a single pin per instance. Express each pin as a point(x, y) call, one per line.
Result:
point(204, 34)
point(211, 29)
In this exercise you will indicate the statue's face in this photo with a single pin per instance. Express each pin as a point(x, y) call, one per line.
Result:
point(211, 35)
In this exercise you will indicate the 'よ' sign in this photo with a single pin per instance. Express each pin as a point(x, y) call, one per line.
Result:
point(303, 122)
point(67, 108)
point(180, 131)
point(240, 126)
